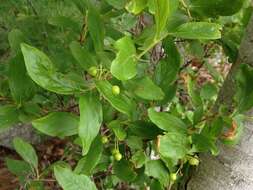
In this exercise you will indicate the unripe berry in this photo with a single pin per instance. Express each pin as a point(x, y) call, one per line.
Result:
point(93, 71)
point(118, 156)
point(173, 176)
point(194, 162)
point(104, 140)
point(115, 90)
point(115, 151)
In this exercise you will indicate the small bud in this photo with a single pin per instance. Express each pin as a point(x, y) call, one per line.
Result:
point(93, 71)
point(118, 156)
point(194, 162)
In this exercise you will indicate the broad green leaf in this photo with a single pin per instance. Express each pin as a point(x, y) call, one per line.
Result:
point(57, 124)
point(84, 58)
point(145, 88)
point(198, 30)
point(16, 37)
point(118, 130)
point(208, 91)
point(244, 96)
point(64, 22)
point(124, 65)
point(202, 143)
point(18, 168)
point(91, 116)
point(87, 164)
point(21, 86)
point(167, 121)
point(156, 185)
point(134, 142)
point(174, 145)
point(193, 92)
point(144, 129)
point(42, 71)
point(156, 169)
point(8, 116)
point(216, 7)
point(163, 9)
point(124, 170)
point(120, 102)
point(118, 4)
point(139, 159)
point(26, 151)
point(68, 180)
point(167, 69)
point(96, 27)
point(136, 6)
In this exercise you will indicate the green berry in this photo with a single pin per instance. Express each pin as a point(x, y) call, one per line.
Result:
point(194, 162)
point(118, 156)
point(93, 71)
point(115, 151)
point(173, 176)
point(104, 140)
point(115, 90)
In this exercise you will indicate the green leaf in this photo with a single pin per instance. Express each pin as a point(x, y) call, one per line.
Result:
point(156, 169)
point(118, 4)
point(145, 88)
point(64, 22)
point(202, 143)
point(84, 58)
point(139, 159)
point(167, 69)
point(42, 71)
point(71, 181)
point(163, 9)
point(57, 124)
point(244, 96)
point(87, 164)
point(216, 7)
point(8, 116)
point(136, 6)
point(91, 117)
point(118, 130)
point(21, 85)
point(144, 129)
point(18, 168)
point(174, 145)
point(26, 151)
point(208, 91)
point(120, 102)
point(16, 37)
point(124, 170)
point(124, 65)
point(167, 121)
point(96, 27)
point(194, 93)
point(198, 30)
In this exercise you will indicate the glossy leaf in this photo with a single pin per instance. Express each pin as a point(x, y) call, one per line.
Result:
point(118, 130)
point(87, 164)
point(26, 151)
point(68, 180)
point(21, 86)
point(156, 169)
point(174, 145)
point(120, 102)
point(198, 30)
point(145, 88)
point(216, 7)
point(124, 170)
point(57, 124)
point(166, 121)
point(8, 117)
point(244, 95)
point(96, 27)
point(91, 116)
point(124, 65)
point(163, 9)
point(84, 58)
point(136, 6)
point(42, 71)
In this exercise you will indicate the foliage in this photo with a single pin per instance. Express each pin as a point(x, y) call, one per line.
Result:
point(120, 80)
